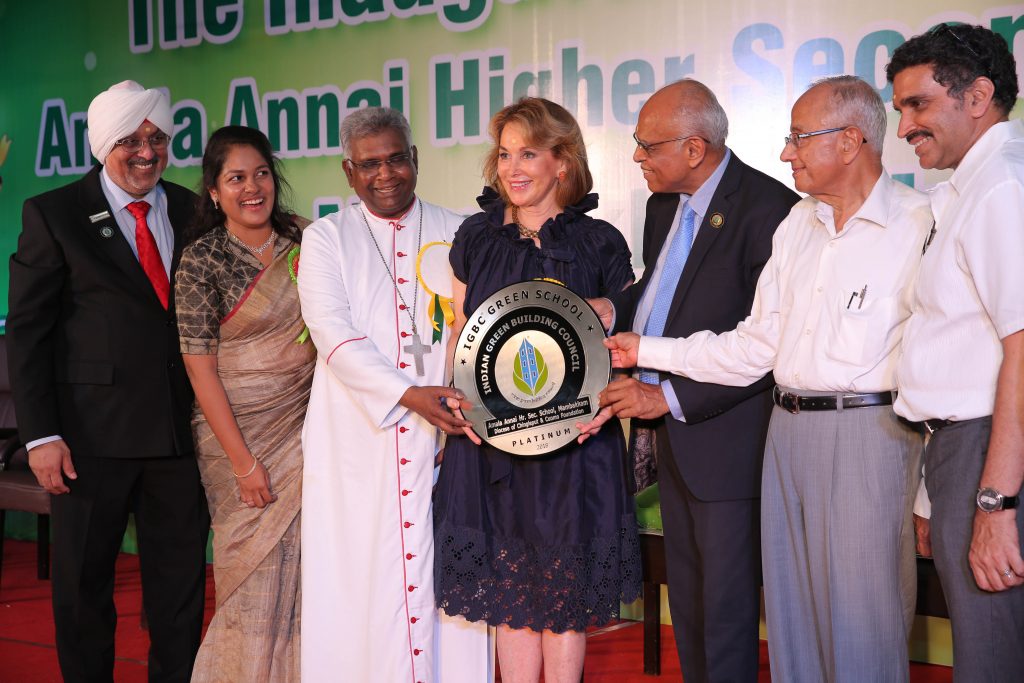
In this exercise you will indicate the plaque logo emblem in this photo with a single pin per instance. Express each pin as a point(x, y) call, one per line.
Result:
point(531, 362)
point(530, 369)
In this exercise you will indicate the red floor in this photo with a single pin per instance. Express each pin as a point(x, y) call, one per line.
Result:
point(27, 654)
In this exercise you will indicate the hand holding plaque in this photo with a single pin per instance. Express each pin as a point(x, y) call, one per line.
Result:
point(531, 362)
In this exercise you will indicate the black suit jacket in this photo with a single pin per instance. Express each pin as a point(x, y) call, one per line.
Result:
point(93, 355)
point(719, 449)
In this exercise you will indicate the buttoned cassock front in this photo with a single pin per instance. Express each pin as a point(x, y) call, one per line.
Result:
point(368, 610)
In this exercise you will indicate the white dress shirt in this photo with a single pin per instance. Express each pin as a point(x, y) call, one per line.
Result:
point(830, 307)
point(970, 286)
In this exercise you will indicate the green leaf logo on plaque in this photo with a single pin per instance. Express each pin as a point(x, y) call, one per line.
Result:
point(530, 372)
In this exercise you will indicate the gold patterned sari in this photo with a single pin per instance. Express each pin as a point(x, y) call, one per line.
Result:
point(267, 373)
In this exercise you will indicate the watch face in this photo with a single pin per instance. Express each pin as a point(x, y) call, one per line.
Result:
point(989, 500)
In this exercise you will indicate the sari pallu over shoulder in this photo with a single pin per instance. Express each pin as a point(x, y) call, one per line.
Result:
point(266, 373)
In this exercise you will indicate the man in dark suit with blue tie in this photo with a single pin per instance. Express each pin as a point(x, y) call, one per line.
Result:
point(102, 399)
point(707, 235)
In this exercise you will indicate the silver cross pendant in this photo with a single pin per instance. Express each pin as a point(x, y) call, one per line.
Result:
point(418, 349)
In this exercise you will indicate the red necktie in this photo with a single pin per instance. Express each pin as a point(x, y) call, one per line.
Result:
point(149, 255)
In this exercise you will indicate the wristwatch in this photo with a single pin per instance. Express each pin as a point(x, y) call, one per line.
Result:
point(990, 500)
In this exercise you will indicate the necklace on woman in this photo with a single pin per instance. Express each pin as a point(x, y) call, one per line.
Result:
point(416, 348)
point(523, 231)
point(258, 251)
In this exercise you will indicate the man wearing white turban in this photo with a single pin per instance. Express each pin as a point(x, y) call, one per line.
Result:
point(101, 395)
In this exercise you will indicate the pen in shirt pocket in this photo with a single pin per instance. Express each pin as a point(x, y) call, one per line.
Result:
point(858, 295)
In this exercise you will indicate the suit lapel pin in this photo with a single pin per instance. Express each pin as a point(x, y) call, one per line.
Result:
point(97, 217)
point(106, 231)
point(717, 220)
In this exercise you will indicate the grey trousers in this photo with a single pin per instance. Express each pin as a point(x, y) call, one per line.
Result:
point(840, 579)
point(988, 628)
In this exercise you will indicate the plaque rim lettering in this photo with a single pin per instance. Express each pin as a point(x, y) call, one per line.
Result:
point(552, 312)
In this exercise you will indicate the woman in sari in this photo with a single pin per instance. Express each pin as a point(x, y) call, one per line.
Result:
point(245, 349)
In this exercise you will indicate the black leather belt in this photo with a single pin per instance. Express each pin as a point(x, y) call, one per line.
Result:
point(930, 426)
point(795, 403)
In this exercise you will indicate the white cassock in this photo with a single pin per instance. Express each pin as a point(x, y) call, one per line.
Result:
point(368, 611)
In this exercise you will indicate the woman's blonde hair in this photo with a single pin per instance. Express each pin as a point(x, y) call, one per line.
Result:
point(547, 126)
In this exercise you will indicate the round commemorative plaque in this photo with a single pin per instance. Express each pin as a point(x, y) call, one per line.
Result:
point(531, 362)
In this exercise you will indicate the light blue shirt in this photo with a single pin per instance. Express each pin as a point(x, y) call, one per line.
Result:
point(698, 203)
point(157, 220)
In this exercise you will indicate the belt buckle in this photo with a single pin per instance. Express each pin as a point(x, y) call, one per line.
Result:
point(790, 402)
point(928, 427)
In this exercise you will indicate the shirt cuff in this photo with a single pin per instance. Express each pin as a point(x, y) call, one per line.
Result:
point(673, 401)
point(655, 353)
point(39, 442)
point(614, 316)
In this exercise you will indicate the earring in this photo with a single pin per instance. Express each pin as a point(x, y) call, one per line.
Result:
point(216, 206)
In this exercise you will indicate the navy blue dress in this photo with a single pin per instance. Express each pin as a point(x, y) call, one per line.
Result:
point(545, 542)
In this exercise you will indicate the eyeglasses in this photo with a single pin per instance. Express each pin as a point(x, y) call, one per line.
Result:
point(947, 30)
point(797, 139)
point(648, 146)
point(372, 166)
point(133, 144)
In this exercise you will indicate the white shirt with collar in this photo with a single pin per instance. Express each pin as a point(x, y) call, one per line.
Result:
point(830, 307)
point(970, 286)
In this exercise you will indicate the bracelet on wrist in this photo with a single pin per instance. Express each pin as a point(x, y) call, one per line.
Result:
point(251, 469)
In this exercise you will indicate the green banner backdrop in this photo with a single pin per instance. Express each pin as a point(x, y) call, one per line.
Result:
point(294, 68)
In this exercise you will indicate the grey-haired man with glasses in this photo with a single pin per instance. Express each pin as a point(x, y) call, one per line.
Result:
point(102, 398)
point(707, 236)
point(961, 373)
point(840, 470)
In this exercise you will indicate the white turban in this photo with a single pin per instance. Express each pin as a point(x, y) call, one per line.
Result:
point(119, 111)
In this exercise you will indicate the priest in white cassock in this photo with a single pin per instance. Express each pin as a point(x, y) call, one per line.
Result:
point(372, 282)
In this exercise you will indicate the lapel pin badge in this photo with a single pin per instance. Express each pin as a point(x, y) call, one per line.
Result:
point(107, 232)
point(97, 217)
point(717, 220)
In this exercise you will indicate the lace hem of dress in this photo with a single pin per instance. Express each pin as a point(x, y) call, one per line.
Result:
point(511, 582)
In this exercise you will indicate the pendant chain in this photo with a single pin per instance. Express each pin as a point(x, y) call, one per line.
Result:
point(258, 251)
point(416, 289)
point(523, 231)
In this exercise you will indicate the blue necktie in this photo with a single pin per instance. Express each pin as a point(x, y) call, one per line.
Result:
point(673, 268)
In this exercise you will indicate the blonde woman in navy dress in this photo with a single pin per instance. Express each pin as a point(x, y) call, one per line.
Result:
point(540, 547)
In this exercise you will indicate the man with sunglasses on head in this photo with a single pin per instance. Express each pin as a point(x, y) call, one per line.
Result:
point(961, 372)
point(367, 282)
point(101, 395)
point(840, 470)
point(709, 438)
